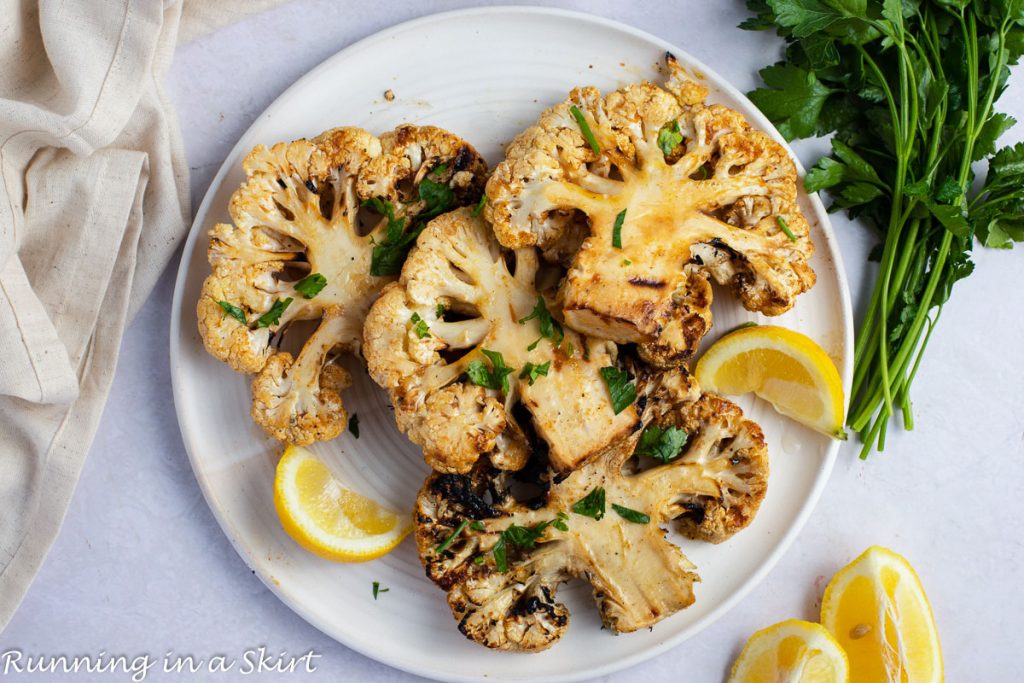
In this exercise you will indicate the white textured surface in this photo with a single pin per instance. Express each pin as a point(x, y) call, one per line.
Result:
point(141, 566)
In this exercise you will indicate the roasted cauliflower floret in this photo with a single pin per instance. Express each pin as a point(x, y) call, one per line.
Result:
point(464, 338)
point(318, 228)
point(644, 194)
point(501, 562)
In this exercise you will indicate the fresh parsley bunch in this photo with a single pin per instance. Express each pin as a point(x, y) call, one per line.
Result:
point(907, 87)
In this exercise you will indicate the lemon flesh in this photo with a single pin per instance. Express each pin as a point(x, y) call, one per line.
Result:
point(791, 652)
point(785, 368)
point(328, 519)
point(877, 609)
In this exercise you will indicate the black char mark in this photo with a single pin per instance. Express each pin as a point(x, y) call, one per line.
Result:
point(457, 489)
point(647, 282)
point(462, 159)
point(695, 512)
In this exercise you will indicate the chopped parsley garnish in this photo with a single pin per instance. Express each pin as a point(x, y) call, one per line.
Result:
point(496, 378)
point(437, 197)
point(570, 349)
point(626, 262)
point(310, 285)
point(419, 326)
point(525, 537)
point(549, 327)
point(661, 444)
point(591, 505)
point(669, 137)
point(623, 392)
point(631, 515)
point(532, 372)
point(559, 522)
point(440, 310)
point(273, 316)
point(585, 128)
point(476, 525)
point(479, 208)
point(353, 425)
point(479, 559)
point(500, 555)
point(389, 254)
point(784, 226)
point(377, 589)
point(617, 229)
point(455, 534)
point(234, 311)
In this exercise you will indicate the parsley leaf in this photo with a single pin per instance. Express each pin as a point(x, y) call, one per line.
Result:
point(623, 392)
point(440, 310)
point(500, 555)
point(377, 589)
point(559, 522)
point(669, 137)
point(588, 134)
point(631, 515)
point(311, 285)
point(389, 254)
point(661, 444)
point(549, 327)
point(438, 198)
point(617, 229)
point(234, 311)
point(455, 534)
point(479, 208)
point(497, 378)
point(419, 326)
point(793, 99)
point(784, 227)
point(353, 425)
point(273, 316)
point(525, 537)
point(532, 371)
point(591, 505)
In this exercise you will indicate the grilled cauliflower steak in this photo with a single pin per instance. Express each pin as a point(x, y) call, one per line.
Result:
point(651, 195)
point(501, 560)
point(464, 336)
point(319, 227)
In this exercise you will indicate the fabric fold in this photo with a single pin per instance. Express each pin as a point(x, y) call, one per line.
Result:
point(93, 201)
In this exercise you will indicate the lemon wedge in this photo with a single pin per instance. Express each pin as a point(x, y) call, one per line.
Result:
point(328, 519)
point(877, 610)
point(791, 652)
point(785, 368)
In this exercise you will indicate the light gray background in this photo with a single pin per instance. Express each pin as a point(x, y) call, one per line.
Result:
point(142, 567)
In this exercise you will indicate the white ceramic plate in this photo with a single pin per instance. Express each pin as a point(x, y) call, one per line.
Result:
point(511, 64)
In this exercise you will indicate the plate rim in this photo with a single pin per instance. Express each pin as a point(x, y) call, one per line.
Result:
point(710, 75)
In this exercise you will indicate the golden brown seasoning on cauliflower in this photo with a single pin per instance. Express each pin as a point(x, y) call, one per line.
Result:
point(318, 228)
point(476, 361)
point(644, 194)
point(501, 560)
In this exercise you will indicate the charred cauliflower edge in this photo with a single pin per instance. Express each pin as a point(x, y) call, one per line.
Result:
point(296, 251)
point(677, 191)
point(501, 561)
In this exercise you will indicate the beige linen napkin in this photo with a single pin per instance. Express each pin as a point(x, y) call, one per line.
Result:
point(93, 199)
